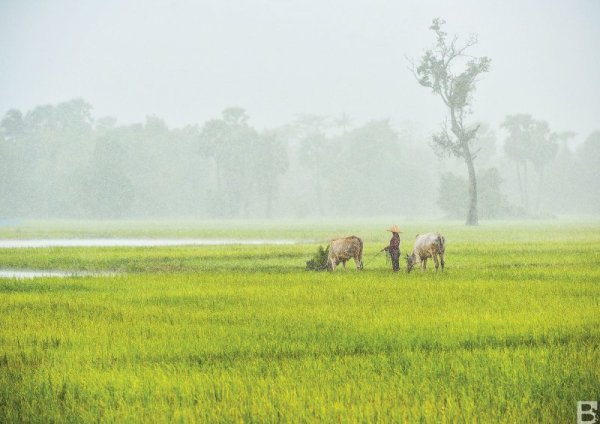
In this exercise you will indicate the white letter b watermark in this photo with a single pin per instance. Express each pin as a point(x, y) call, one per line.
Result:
point(587, 412)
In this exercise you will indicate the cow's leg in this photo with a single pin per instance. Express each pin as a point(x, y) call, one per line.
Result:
point(435, 261)
point(424, 264)
point(358, 263)
point(333, 265)
point(442, 261)
point(344, 264)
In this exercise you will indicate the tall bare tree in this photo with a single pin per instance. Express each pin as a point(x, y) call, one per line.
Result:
point(451, 74)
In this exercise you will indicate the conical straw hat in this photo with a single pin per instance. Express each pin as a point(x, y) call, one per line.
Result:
point(394, 229)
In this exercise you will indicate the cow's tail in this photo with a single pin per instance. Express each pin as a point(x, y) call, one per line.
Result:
point(329, 264)
point(441, 244)
point(360, 252)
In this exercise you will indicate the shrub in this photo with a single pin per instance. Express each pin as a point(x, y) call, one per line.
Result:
point(319, 260)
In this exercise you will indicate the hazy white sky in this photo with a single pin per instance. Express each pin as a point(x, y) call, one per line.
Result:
point(187, 60)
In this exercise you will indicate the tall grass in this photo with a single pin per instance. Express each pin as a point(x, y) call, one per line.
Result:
point(510, 332)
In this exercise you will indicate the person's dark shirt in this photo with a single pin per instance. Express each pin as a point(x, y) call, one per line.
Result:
point(395, 242)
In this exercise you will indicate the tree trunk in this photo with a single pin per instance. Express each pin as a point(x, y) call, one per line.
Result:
point(540, 191)
point(269, 205)
point(218, 174)
point(525, 188)
point(520, 182)
point(472, 216)
point(458, 130)
point(319, 192)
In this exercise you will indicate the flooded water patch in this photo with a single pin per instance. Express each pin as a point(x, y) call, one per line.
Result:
point(134, 242)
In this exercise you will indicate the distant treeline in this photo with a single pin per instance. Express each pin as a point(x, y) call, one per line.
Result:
point(59, 161)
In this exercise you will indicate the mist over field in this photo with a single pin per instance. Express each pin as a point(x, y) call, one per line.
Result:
point(292, 109)
point(208, 211)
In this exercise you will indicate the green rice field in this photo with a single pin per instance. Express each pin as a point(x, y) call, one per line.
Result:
point(510, 332)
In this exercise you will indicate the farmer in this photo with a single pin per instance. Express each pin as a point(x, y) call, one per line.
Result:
point(394, 247)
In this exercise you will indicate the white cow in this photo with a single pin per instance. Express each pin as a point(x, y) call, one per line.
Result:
point(430, 245)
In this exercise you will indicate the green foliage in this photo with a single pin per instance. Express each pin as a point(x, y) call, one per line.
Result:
point(228, 141)
point(106, 191)
point(269, 161)
point(43, 144)
point(247, 163)
point(589, 177)
point(452, 75)
point(530, 140)
point(510, 330)
point(316, 153)
point(368, 165)
point(319, 260)
point(453, 197)
point(57, 161)
point(366, 171)
point(589, 152)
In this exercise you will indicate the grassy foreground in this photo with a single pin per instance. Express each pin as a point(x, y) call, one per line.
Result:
point(510, 333)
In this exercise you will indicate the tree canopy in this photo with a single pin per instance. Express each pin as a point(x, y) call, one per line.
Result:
point(452, 75)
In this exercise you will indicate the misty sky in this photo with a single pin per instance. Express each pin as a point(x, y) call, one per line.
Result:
point(187, 60)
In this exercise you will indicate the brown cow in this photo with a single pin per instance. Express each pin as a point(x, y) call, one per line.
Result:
point(343, 249)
